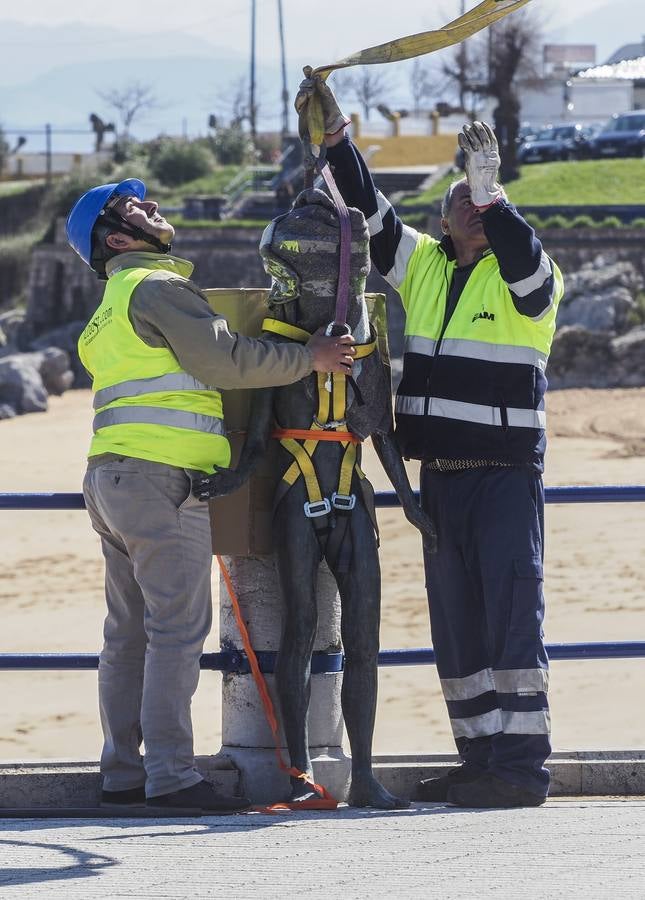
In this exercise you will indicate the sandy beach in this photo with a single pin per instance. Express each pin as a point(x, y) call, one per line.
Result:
point(51, 595)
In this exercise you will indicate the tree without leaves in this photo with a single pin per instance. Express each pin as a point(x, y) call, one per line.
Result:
point(420, 84)
point(232, 102)
point(491, 66)
point(513, 53)
point(132, 101)
point(370, 86)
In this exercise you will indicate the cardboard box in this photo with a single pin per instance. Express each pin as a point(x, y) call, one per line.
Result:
point(241, 523)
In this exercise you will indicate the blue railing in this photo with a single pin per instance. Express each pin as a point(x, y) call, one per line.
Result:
point(231, 660)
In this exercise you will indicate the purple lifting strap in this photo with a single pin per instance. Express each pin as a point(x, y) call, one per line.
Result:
point(342, 292)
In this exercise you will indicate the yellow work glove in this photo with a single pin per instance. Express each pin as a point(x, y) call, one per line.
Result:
point(481, 163)
point(317, 108)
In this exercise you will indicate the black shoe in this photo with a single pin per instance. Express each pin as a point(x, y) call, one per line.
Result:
point(435, 790)
point(201, 796)
point(491, 792)
point(121, 799)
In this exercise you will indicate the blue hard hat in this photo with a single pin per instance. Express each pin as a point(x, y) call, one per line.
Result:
point(87, 209)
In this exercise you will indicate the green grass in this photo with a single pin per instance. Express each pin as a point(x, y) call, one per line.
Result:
point(583, 183)
point(214, 183)
point(16, 187)
point(180, 222)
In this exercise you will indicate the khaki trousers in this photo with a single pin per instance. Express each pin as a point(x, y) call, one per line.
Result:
point(156, 542)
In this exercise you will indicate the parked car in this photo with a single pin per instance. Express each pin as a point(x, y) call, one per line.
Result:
point(623, 135)
point(526, 132)
point(556, 142)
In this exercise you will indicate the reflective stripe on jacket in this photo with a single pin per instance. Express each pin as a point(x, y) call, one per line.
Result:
point(475, 390)
point(146, 405)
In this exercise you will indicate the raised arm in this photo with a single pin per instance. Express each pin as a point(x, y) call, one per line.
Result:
point(523, 264)
point(391, 242)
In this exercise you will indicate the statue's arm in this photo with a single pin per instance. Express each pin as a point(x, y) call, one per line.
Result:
point(225, 481)
point(390, 457)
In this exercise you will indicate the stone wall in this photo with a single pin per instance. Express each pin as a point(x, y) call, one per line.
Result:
point(16, 210)
point(572, 248)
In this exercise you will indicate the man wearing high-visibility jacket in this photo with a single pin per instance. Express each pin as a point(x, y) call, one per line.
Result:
point(480, 309)
point(155, 351)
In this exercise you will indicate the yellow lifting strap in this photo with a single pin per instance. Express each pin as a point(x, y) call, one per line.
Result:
point(277, 326)
point(294, 333)
point(486, 13)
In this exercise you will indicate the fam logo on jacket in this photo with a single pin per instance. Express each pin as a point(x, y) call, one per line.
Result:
point(484, 314)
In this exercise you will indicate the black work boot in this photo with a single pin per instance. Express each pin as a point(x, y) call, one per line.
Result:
point(131, 797)
point(491, 792)
point(202, 795)
point(435, 790)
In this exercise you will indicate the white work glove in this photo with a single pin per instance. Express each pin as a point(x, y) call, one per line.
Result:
point(332, 117)
point(481, 163)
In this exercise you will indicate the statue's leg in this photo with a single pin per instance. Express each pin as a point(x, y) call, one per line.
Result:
point(298, 559)
point(360, 593)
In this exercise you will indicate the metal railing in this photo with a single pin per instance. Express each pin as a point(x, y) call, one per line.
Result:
point(234, 661)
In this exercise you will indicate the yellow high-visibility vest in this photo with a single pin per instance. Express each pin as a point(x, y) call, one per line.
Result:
point(146, 406)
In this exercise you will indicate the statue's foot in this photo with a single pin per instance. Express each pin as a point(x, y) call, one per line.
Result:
point(302, 791)
point(369, 792)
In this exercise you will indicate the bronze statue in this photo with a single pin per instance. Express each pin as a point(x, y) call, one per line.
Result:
point(331, 515)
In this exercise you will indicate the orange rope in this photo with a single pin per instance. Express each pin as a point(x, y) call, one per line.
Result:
point(325, 801)
point(313, 434)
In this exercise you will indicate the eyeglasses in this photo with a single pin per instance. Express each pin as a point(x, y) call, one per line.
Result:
point(114, 200)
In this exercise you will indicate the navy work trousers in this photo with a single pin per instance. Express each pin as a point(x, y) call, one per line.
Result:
point(486, 604)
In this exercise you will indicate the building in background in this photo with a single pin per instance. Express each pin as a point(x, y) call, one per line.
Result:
point(562, 59)
point(574, 89)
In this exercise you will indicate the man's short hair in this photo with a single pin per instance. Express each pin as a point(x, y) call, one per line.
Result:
point(101, 253)
point(447, 197)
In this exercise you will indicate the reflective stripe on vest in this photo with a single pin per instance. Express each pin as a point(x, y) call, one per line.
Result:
point(161, 384)
point(158, 415)
point(470, 412)
point(416, 344)
point(501, 353)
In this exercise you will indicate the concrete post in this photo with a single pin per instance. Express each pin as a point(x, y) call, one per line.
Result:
point(246, 737)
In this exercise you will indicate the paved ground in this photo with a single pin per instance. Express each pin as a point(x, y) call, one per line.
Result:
point(591, 849)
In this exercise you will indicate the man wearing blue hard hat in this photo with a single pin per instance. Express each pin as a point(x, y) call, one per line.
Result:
point(155, 349)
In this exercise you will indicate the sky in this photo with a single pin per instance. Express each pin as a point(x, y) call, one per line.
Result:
point(341, 27)
point(209, 40)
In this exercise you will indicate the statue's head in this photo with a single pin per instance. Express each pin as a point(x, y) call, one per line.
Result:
point(300, 251)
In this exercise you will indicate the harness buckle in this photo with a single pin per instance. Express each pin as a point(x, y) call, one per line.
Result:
point(317, 508)
point(344, 502)
point(342, 329)
point(334, 424)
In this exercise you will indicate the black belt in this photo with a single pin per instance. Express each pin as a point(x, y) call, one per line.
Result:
point(459, 465)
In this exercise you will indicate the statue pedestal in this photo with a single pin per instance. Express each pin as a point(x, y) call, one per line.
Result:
point(246, 736)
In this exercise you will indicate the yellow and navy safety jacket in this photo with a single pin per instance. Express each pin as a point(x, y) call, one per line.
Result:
point(473, 387)
point(474, 378)
point(146, 406)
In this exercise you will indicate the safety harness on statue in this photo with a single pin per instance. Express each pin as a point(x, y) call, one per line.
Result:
point(328, 425)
